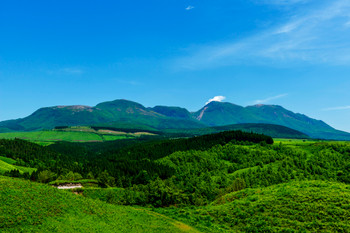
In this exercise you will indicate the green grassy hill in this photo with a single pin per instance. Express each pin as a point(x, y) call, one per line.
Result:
point(7, 164)
point(300, 206)
point(30, 207)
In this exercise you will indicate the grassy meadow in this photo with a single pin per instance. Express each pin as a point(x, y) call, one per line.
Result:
point(300, 206)
point(31, 207)
point(77, 134)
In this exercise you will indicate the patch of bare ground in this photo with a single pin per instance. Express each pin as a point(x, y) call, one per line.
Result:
point(104, 131)
point(68, 186)
point(144, 133)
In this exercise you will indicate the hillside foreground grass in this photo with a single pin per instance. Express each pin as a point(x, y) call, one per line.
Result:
point(31, 207)
point(298, 206)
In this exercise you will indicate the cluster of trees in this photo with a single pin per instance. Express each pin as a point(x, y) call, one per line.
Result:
point(200, 177)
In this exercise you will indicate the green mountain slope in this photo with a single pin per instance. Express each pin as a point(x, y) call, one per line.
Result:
point(126, 111)
point(30, 207)
point(281, 116)
point(120, 111)
point(220, 113)
point(176, 112)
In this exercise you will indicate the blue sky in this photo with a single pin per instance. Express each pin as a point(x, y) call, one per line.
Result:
point(294, 53)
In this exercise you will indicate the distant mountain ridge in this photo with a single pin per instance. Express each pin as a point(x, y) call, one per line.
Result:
point(223, 113)
point(163, 117)
point(107, 112)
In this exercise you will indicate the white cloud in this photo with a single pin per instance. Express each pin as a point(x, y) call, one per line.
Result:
point(311, 36)
point(219, 98)
point(281, 2)
point(189, 8)
point(269, 99)
point(337, 108)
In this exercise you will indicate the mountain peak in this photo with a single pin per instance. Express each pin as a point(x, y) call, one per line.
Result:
point(176, 112)
point(220, 104)
point(218, 113)
point(120, 104)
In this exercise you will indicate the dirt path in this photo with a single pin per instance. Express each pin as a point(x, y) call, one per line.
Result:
point(69, 186)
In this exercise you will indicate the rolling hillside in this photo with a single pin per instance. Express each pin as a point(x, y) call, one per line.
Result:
point(31, 207)
point(8, 164)
point(296, 206)
point(303, 206)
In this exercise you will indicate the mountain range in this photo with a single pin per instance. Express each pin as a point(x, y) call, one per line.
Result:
point(124, 112)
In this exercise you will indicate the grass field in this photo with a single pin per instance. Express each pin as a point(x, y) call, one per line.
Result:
point(72, 134)
point(31, 207)
point(54, 136)
point(295, 142)
point(299, 206)
point(7, 160)
point(6, 164)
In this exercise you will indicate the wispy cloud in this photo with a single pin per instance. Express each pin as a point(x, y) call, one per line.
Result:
point(218, 98)
point(316, 36)
point(129, 82)
point(65, 71)
point(337, 108)
point(188, 8)
point(281, 2)
point(269, 99)
point(72, 70)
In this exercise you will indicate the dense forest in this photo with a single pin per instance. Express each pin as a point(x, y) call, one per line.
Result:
point(118, 163)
